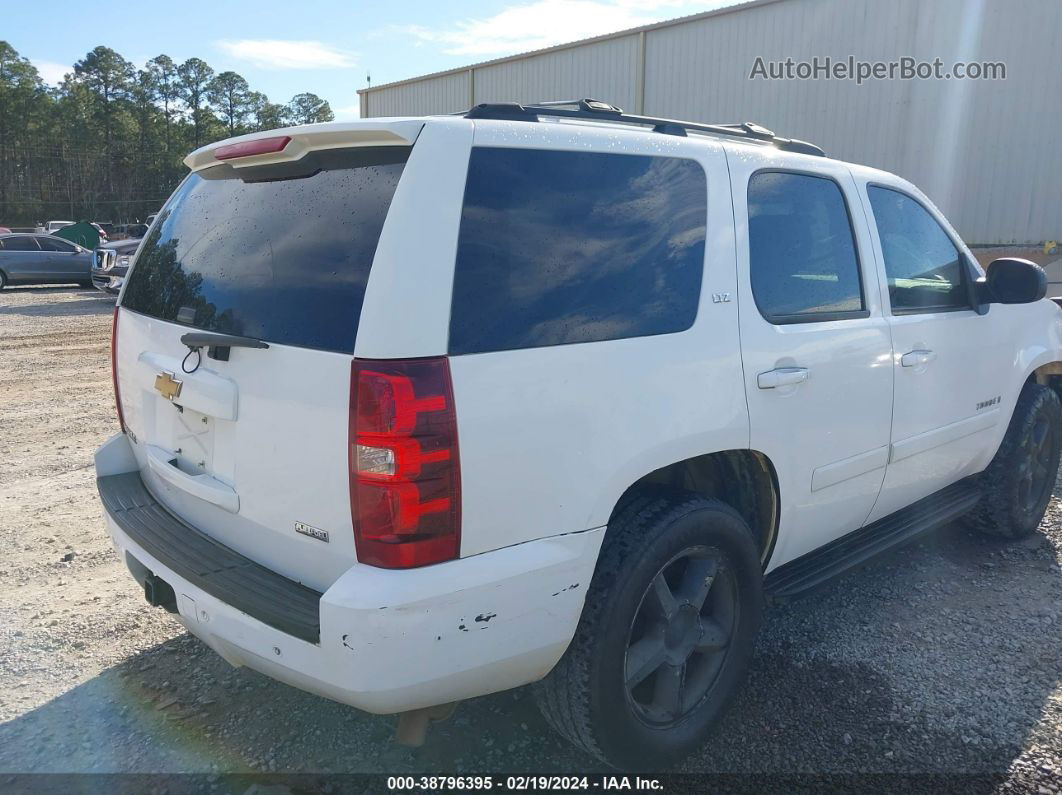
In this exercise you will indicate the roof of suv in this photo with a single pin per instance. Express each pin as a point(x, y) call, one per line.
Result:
point(403, 131)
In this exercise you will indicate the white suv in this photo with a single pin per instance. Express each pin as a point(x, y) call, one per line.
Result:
point(416, 410)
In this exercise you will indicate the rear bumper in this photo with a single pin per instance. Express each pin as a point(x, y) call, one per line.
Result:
point(388, 641)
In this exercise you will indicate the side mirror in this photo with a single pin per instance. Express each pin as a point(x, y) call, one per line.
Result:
point(1009, 280)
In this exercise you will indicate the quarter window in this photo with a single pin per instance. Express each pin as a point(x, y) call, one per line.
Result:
point(923, 266)
point(564, 247)
point(802, 256)
point(20, 244)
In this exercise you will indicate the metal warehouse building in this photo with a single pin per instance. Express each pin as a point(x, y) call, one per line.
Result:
point(983, 150)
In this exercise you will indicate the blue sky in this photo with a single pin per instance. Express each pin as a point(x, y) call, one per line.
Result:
point(323, 46)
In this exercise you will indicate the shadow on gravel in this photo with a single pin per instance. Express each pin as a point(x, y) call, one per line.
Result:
point(892, 669)
point(94, 303)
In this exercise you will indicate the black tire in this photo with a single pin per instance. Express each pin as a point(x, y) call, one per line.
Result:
point(672, 538)
point(1018, 483)
point(3, 280)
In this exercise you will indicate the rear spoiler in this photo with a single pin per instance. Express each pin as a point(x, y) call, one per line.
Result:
point(313, 137)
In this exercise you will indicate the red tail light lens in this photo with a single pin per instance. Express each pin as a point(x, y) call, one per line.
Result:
point(405, 475)
point(114, 369)
point(261, 146)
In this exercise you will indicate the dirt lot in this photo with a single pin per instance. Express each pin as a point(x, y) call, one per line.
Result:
point(942, 658)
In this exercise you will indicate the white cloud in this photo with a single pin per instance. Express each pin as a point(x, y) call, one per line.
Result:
point(282, 54)
point(51, 72)
point(348, 113)
point(544, 23)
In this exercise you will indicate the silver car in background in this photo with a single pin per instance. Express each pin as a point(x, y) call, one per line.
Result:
point(43, 259)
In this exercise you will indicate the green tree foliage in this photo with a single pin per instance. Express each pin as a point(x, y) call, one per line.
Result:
point(107, 75)
point(166, 86)
point(267, 115)
point(108, 143)
point(24, 116)
point(231, 97)
point(309, 109)
point(193, 77)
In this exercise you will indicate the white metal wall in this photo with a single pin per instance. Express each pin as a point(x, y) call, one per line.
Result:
point(443, 94)
point(981, 149)
point(602, 69)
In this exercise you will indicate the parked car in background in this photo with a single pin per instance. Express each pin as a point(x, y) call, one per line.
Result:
point(43, 259)
point(55, 226)
point(122, 231)
point(102, 232)
point(110, 264)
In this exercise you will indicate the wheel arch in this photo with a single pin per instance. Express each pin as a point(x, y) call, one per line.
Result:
point(744, 479)
point(1047, 374)
point(1044, 367)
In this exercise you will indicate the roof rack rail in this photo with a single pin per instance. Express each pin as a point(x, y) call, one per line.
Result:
point(596, 110)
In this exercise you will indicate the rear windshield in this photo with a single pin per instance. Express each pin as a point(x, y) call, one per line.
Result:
point(280, 253)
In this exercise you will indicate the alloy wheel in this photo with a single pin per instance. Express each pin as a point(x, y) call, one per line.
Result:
point(680, 636)
point(1034, 473)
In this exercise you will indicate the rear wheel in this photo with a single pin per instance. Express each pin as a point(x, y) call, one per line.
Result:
point(666, 634)
point(3, 280)
point(1019, 481)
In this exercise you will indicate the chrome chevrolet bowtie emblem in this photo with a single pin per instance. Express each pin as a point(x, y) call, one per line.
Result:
point(168, 386)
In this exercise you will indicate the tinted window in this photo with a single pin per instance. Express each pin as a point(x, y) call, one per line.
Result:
point(564, 247)
point(23, 243)
point(54, 244)
point(280, 253)
point(802, 257)
point(923, 266)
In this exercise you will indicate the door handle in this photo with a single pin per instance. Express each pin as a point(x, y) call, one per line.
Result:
point(782, 376)
point(917, 358)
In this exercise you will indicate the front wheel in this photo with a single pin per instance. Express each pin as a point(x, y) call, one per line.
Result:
point(1019, 481)
point(666, 634)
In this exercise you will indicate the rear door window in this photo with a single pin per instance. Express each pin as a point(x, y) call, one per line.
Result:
point(802, 254)
point(280, 253)
point(563, 247)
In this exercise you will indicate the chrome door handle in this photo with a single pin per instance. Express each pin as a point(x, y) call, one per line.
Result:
point(782, 376)
point(917, 358)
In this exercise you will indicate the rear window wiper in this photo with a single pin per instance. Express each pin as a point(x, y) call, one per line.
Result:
point(218, 345)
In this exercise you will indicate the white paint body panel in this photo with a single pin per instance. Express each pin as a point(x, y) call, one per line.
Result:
point(282, 456)
point(550, 437)
point(940, 434)
point(399, 640)
point(829, 436)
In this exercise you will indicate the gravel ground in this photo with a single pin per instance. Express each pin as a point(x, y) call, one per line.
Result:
point(942, 658)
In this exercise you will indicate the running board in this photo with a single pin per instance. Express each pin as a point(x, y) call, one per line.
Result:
point(859, 546)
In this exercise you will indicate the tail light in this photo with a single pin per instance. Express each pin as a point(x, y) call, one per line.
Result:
point(114, 369)
point(260, 146)
point(405, 474)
